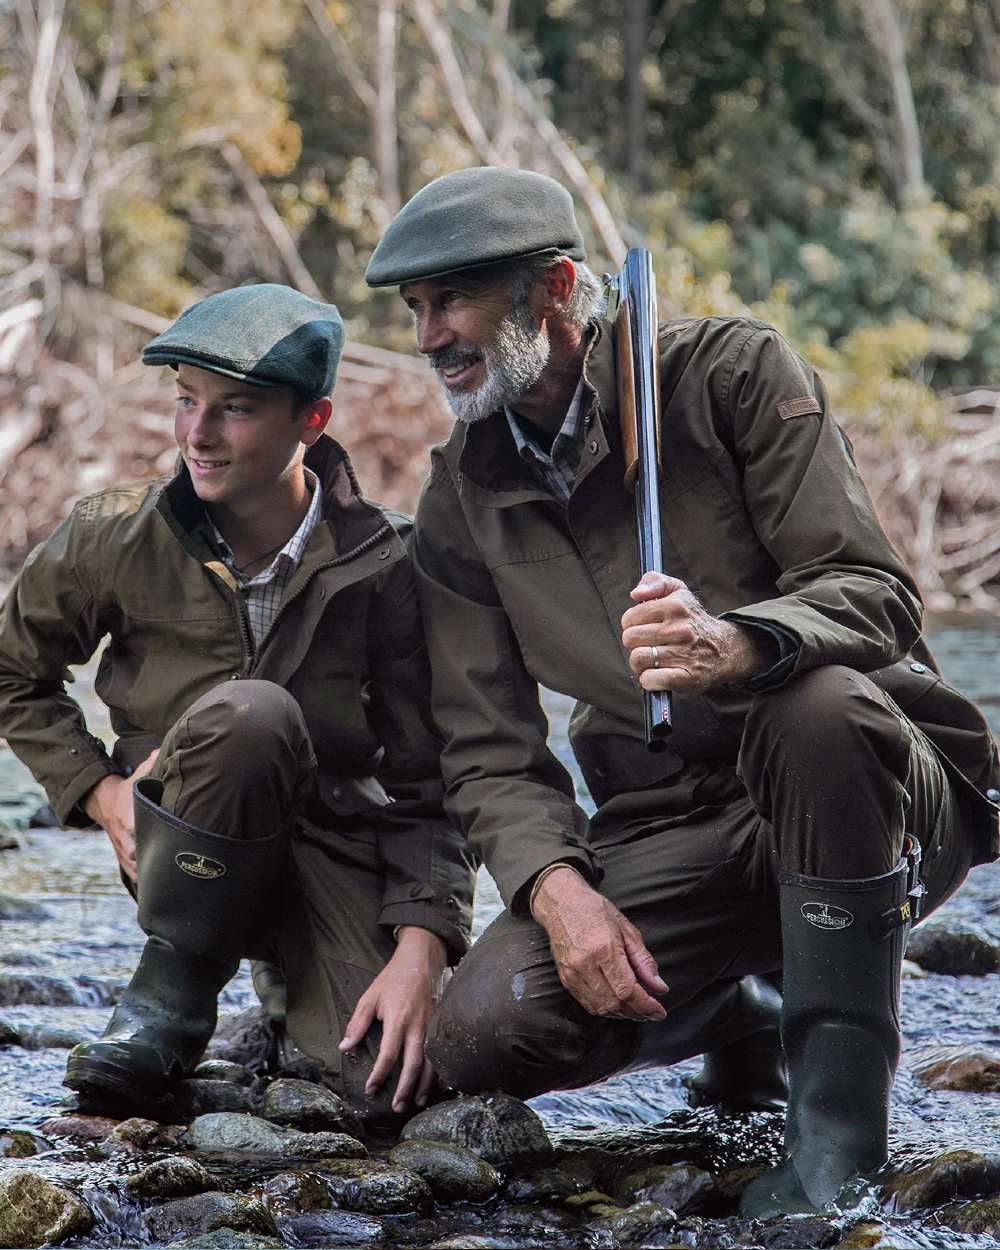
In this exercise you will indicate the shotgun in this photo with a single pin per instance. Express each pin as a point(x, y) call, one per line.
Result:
point(632, 305)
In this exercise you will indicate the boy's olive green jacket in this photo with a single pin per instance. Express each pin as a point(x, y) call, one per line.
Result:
point(764, 517)
point(135, 564)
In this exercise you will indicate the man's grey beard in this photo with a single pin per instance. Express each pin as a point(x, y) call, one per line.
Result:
point(513, 362)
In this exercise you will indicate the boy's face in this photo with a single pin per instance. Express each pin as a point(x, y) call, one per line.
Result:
point(241, 442)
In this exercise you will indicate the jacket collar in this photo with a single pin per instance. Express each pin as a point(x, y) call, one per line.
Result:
point(487, 456)
point(351, 521)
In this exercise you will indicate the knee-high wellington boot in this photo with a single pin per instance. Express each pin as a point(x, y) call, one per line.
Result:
point(736, 1025)
point(199, 902)
point(843, 945)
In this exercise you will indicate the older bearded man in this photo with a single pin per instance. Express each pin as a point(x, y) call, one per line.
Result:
point(815, 752)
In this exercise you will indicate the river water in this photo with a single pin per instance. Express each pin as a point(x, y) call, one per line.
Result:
point(86, 944)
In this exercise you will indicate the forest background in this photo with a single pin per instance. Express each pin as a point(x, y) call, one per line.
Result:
point(832, 168)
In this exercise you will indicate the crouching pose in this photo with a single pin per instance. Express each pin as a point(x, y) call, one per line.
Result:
point(816, 752)
point(267, 682)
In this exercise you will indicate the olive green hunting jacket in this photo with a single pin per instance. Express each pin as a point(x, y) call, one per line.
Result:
point(764, 516)
point(136, 565)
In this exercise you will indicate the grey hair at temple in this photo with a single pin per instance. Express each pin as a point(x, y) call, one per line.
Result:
point(587, 302)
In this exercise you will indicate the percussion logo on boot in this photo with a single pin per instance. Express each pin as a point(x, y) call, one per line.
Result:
point(826, 916)
point(199, 866)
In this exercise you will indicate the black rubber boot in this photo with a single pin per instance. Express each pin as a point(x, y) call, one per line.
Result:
point(735, 1024)
point(745, 1068)
point(200, 898)
point(843, 945)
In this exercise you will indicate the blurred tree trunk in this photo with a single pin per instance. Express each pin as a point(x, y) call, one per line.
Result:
point(386, 136)
point(884, 28)
point(636, 37)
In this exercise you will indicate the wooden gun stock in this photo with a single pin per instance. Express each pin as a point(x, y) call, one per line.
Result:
point(638, 370)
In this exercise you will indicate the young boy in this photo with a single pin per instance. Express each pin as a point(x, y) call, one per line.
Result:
point(273, 791)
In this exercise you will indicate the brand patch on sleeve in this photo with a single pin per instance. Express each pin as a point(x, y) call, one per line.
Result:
point(798, 407)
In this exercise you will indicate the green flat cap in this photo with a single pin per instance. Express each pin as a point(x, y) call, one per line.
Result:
point(267, 335)
point(476, 217)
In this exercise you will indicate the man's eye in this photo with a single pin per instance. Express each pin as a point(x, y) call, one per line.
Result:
point(183, 401)
point(238, 410)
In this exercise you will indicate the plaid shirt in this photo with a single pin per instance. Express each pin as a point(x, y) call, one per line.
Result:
point(263, 594)
point(556, 470)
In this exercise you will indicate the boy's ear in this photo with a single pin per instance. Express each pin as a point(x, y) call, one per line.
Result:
point(317, 419)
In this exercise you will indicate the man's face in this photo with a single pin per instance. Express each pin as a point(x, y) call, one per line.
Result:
point(239, 442)
point(481, 338)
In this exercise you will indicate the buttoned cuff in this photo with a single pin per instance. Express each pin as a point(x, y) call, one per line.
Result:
point(67, 805)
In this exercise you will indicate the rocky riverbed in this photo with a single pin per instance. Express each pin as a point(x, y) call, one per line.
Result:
point(248, 1155)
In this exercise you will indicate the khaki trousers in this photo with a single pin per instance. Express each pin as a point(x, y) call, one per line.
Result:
point(830, 776)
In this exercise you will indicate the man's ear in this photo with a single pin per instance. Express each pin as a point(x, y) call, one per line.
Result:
point(557, 287)
point(317, 419)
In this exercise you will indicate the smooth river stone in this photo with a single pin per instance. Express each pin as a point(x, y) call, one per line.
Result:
point(204, 1213)
point(249, 1134)
point(453, 1173)
point(34, 1211)
point(940, 947)
point(682, 1187)
point(497, 1127)
point(14, 907)
point(972, 1217)
point(173, 1177)
point(308, 1107)
point(960, 1068)
point(328, 1229)
point(956, 1174)
point(375, 1187)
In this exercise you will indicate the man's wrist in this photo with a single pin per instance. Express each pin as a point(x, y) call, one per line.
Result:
point(548, 883)
point(95, 801)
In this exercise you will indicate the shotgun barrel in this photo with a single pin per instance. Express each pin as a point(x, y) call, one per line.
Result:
point(633, 300)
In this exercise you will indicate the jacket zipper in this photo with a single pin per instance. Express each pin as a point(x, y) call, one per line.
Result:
point(362, 547)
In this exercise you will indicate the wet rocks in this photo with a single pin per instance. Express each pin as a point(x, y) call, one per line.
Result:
point(956, 1174)
point(959, 1068)
point(956, 951)
point(39, 989)
point(972, 1217)
point(248, 1134)
point(81, 1128)
point(173, 1177)
point(290, 1193)
point(9, 1036)
point(19, 1145)
point(497, 1127)
point(547, 1184)
point(197, 1097)
point(332, 1228)
point(307, 1107)
point(643, 1224)
point(14, 907)
point(453, 1173)
point(227, 1239)
point(682, 1187)
point(246, 1038)
point(802, 1233)
point(146, 1134)
point(223, 1070)
point(376, 1187)
point(50, 1037)
point(34, 1211)
point(203, 1214)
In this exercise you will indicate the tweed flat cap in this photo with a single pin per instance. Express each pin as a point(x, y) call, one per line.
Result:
point(476, 217)
point(267, 335)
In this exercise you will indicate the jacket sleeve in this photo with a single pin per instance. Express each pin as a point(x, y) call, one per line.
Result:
point(429, 866)
point(844, 593)
point(503, 785)
point(53, 618)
